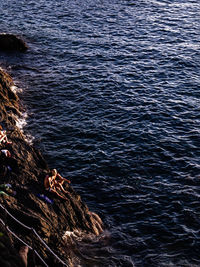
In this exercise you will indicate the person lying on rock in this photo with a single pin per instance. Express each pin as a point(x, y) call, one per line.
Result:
point(54, 182)
point(3, 137)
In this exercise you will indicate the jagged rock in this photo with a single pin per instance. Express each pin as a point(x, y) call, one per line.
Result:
point(9, 256)
point(29, 169)
point(12, 42)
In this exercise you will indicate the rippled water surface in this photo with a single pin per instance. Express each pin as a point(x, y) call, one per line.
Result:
point(112, 93)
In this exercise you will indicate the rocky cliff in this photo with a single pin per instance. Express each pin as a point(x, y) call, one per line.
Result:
point(26, 199)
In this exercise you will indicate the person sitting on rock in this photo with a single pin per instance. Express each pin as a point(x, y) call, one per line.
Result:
point(51, 185)
point(3, 137)
point(6, 153)
point(59, 180)
point(8, 160)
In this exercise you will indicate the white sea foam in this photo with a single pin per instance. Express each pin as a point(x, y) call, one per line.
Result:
point(16, 89)
point(78, 235)
point(86, 243)
point(68, 233)
point(21, 122)
point(75, 235)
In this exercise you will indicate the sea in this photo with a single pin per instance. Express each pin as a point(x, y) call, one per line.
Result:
point(110, 91)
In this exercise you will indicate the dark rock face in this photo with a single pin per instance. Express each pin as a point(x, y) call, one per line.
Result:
point(26, 177)
point(12, 42)
point(8, 254)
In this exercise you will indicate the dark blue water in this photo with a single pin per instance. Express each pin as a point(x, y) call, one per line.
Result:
point(112, 89)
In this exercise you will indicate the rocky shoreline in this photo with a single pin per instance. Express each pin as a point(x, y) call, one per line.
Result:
point(25, 171)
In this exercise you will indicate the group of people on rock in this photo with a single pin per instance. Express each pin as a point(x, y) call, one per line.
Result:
point(53, 182)
point(5, 155)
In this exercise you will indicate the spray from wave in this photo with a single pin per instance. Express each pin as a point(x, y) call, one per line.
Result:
point(21, 122)
point(21, 118)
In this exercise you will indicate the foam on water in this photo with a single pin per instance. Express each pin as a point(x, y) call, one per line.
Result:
point(16, 89)
point(87, 245)
point(21, 122)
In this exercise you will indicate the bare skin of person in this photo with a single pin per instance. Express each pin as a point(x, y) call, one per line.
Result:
point(54, 182)
point(23, 254)
point(3, 136)
point(59, 181)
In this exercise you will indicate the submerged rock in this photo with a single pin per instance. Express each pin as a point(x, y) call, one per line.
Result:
point(25, 175)
point(12, 42)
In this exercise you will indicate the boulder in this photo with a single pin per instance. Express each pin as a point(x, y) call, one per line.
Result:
point(12, 43)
